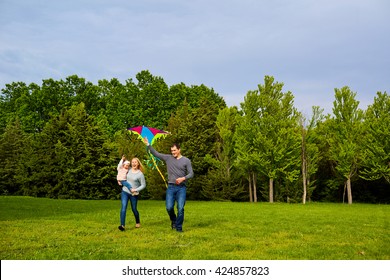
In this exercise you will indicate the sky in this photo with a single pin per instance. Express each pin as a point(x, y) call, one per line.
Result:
point(311, 46)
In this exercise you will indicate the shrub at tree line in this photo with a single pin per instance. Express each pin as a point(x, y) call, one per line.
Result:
point(63, 139)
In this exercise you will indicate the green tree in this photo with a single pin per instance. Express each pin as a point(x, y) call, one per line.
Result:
point(8, 99)
point(117, 104)
point(245, 134)
point(153, 102)
point(73, 159)
point(221, 183)
point(275, 138)
point(195, 129)
point(17, 102)
point(77, 90)
point(344, 136)
point(12, 143)
point(310, 151)
point(377, 141)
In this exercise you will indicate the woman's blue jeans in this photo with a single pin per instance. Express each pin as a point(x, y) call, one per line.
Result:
point(125, 197)
point(178, 194)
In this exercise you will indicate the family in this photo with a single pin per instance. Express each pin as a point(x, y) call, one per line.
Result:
point(132, 180)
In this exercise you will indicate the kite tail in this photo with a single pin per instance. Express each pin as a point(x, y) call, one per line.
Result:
point(158, 169)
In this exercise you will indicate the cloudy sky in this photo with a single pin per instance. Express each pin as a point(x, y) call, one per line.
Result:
point(312, 46)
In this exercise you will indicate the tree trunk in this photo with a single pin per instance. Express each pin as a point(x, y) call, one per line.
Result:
point(304, 169)
point(349, 190)
point(254, 188)
point(345, 187)
point(271, 190)
point(304, 181)
point(250, 188)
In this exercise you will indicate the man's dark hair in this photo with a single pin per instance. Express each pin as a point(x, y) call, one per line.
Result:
point(177, 145)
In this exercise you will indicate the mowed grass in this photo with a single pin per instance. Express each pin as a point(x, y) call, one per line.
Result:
point(50, 229)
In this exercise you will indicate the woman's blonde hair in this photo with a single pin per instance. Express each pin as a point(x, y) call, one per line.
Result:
point(140, 166)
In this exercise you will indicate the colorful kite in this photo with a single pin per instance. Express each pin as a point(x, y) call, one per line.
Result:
point(151, 134)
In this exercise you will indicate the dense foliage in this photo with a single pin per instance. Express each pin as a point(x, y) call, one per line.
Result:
point(63, 139)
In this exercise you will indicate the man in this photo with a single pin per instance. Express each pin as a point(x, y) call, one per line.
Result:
point(179, 171)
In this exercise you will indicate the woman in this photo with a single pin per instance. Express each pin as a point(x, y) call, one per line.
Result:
point(136, 178)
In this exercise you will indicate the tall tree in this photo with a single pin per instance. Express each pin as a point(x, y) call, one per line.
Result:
point(377, 141)
point(77, 90)
point(12, 143)
point(244, 142)
point(118, 104)
point(221, 183)
point(344, 136)
point(195, 129)
point(153, 99)
point(310, 152)
point(72, 159)
point(275, 138)
point(16, 101)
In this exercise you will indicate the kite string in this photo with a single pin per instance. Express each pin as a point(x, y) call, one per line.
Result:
point(158, 169)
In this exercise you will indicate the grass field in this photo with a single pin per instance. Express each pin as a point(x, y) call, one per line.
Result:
point(47, 229)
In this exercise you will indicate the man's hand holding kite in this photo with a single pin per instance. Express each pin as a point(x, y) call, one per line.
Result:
point(150, 134)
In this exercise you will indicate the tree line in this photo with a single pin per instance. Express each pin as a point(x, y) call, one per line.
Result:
point(64, 138)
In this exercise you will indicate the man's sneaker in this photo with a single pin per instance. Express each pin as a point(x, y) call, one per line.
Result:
point(121, 228)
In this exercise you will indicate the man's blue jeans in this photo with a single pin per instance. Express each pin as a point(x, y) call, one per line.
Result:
point(125, 197)
point(178, 194)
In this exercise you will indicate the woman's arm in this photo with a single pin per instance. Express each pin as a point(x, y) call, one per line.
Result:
point(142, 181)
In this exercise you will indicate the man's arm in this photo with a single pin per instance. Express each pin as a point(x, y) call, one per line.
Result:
point(154, 152)
point(190, 173)
point(189, 170)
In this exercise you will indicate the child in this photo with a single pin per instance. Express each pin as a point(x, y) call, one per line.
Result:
point(123, 168)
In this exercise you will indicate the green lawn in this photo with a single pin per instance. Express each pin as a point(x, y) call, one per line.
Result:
point(48, 229)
